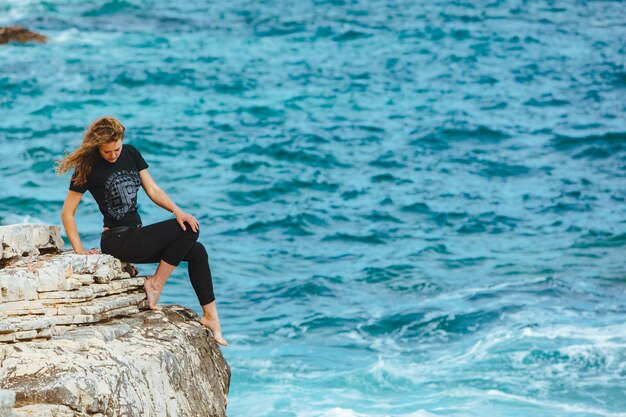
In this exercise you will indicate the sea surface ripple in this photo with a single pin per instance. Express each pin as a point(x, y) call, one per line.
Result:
point(412, 208)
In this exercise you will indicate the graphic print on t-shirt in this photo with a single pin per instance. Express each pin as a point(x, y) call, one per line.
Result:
point(120, 194)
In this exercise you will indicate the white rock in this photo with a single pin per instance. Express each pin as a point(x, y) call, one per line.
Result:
point(17, 324)
point(7, 337)
point(26, 334)
point(18, 285)
point(85, 279)
point(27, 239)
point(45, 410)
point(102, 267)
point(82, 294)
point(51, 277)
point(78, 344)
point(71, 284)
point(7, 401)
point(19, 308)
point(124, 367)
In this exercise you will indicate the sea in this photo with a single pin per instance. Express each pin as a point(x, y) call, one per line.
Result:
point(411, 208)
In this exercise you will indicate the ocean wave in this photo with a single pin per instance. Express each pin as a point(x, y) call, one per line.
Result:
point(464, 223)
point(281, 151)
point(348, 412)
point(563, 207)
point(248, 166)
point(401, 278)
point(28, 206)
point(387, 162)
point(593, 146)
point(351, 35)
point(296, 289)
point(491, 169)
point(174, 77)
point(598, 239)
point(235, 87)
point(112, 7)
point(390, 178)
point(434, 325)
point(296, 225)
point(568, 360)
point(443, 138)
point(439, 249)
point(381, 217)
point(546, 101)
point(261, 112)
point(489, 222)
point(279, 189)
point(154, 146)
point(375, 275)
point(373, 238)
point(275, 27)
point(570, 407)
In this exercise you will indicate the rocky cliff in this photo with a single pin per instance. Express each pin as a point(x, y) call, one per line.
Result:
point(76, 338)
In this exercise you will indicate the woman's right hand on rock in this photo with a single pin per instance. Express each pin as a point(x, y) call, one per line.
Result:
point(91, 251)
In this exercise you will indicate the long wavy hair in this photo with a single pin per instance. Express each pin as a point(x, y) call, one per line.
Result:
point(104, 130)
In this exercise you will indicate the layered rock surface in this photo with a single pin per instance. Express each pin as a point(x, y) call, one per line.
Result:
point(78, 340)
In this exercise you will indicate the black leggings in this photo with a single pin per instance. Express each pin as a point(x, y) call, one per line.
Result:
point(165, 241)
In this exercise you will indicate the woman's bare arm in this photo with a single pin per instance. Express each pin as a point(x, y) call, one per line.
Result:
point(67, 216)
point(161, 199)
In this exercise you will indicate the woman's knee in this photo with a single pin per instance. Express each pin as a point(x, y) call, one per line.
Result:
point(190, 233)
point(198, 252)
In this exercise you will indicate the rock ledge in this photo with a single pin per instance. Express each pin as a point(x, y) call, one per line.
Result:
point(76, 338)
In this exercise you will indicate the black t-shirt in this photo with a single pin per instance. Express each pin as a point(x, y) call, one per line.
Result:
point(114, 186)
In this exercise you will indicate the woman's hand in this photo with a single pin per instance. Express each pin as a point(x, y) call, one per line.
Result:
point(182, 217)
point(92, 251)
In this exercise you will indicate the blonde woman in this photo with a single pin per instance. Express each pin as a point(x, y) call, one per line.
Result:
point(113, 172)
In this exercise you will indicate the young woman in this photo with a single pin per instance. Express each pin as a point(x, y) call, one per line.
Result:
point(112, 172)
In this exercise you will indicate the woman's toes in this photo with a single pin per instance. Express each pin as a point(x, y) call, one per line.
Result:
point(151, 293)
point(220, 340)
point(215, 329)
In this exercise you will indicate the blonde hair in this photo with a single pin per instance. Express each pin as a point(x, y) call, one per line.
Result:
point(104, 130)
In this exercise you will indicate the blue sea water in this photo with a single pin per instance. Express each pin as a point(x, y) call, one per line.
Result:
point(411, 208)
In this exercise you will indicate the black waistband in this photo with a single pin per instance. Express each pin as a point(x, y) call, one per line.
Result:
point(119, 229)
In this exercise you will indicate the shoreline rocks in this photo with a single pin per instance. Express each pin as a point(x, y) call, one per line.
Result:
point(77, 339)
point(19, 34)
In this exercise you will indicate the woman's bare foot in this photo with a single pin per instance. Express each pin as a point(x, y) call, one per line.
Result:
point(215, 328)
point(153, 292)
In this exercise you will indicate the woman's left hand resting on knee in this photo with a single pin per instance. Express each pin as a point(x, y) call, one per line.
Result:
point(182, 217)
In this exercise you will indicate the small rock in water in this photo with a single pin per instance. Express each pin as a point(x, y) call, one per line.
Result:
point(19, 34)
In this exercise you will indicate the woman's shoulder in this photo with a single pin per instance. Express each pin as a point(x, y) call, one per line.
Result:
point(136, 155)
point(130, 149)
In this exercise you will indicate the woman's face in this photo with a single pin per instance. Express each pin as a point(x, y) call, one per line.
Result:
point(111, 151)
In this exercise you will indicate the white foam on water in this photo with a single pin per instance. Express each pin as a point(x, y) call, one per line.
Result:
point(340, 412)
point(387, 371)
point(385, 344)
point(68, 36)
point(479, 350)
point(463, 293)
point(348, 412)
point(18, 9)
point(16, 219)
point(573, 408)
point(597, 335)
point(87, 38)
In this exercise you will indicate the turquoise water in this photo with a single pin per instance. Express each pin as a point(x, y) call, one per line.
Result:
point(411, 208)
